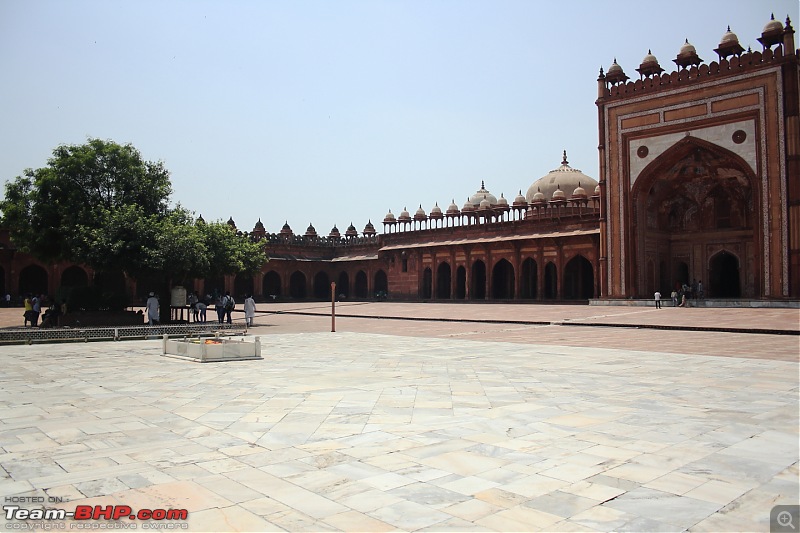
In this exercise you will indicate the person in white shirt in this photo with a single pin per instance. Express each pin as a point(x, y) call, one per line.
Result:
point(657, 296)
point(249, 310)
point(152, 309)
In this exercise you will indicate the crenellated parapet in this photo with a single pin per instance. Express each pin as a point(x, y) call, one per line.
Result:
point(320, 240)
point(696, 74)
point(732, 60)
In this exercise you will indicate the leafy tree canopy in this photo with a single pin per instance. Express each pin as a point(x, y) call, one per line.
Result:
point(102, 205)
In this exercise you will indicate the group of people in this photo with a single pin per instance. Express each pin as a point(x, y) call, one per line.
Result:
point(224, 305)
point(681, 293)
point(33, 310)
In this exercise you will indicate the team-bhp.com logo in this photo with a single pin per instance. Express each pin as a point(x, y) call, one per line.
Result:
point(94, 512)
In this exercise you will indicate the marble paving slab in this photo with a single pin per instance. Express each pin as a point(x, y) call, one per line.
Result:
point(358, 431)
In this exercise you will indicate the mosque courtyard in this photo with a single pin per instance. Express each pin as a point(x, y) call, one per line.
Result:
point(475, 417)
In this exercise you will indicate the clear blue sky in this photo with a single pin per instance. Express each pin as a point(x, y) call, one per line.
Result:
point(336, 111)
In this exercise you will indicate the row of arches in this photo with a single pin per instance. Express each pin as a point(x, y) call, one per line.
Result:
point(723, 281)
point(34, 279)
point(502, 283)
point(318, 287)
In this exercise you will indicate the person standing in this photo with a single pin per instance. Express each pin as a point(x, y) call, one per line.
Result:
point(219, 305)
point(657, 297)
point(28, 311)
point(152, 309)
point(674, 297)
point(36, 302)
point(700, 293)
point(201, 308)
point(249, 310)
point(192, 301)
point(229, 305)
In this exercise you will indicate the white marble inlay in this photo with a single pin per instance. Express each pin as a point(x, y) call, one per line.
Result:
point(721, 135)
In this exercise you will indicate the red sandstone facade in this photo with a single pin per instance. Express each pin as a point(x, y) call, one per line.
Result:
point(699, 179)
point(699, 172)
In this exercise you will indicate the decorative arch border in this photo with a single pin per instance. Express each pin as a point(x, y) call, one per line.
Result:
point(683, 148)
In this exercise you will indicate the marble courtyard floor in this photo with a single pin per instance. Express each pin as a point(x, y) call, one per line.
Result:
point(404, 425)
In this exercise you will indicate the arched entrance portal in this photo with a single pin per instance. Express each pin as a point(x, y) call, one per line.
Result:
point(427, 283)
point(297, 285)
point(724, 279)
point(243, 286)
point(443, 281)
point(681, 274)
point(361, 285)
point(550, 281)
point(271, 285)
point(33, 280)
point(381, 284)
point(322, 286)
point(527, 287)
point(461, 283)
point(503, 280)
point(343, 285)
point(695, 197)
point(578, 279)
point(477, 289)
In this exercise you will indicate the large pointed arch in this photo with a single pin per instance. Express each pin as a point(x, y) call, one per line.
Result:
point(443, 281)
point(680, 150)
point(503, 280)
point(694, 197)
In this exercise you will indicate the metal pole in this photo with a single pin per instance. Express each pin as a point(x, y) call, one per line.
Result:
point(333, 306)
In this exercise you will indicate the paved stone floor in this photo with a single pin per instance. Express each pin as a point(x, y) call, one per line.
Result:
point(402, 425)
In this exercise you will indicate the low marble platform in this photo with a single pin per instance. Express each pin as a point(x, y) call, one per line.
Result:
point(213, 350)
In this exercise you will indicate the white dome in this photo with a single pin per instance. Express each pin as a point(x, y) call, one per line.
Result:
point(614, 68)
point(480, 194)
point(687, 48)
point(773, 25)
point(565, 176)
point(579, 192)
point(649, 58)
point(729, 37)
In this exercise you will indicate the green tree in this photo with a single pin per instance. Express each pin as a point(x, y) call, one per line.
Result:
point(91, 204)
point(101, 204)
point(229, 252)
